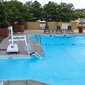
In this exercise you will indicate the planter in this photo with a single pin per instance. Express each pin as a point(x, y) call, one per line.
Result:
point(18, 27)
point(4, 32)
point(80, 30)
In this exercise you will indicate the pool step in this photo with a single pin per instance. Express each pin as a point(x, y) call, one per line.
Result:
point(38, 47)
point(35, 46)
point(33, 49)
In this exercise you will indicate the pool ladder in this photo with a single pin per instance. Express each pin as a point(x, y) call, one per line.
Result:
point(37, 37)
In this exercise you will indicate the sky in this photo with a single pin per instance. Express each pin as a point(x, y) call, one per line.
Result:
point(78, 4)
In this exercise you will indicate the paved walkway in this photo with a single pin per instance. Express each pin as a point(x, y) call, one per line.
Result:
point(35, 45)
point(23, 82)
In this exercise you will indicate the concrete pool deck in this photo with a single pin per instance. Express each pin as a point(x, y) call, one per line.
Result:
point(23, 82)
point(35, 46)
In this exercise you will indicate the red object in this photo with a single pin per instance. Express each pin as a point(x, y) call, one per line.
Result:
point(46, 23)
point(18, 27)
point(80, 30)
point(4, 31)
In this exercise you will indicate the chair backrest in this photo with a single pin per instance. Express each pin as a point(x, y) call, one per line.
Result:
point(10, 31)
point(69, 28)
point(10, 27)
point(58, 28)
point(46, 27)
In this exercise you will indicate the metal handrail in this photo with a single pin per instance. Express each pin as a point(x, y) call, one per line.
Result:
point(40, 38)
point(37, 38)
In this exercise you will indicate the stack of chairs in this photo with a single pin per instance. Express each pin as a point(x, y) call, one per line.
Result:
point(46, 30)
point(58, 30)
point(70, 30)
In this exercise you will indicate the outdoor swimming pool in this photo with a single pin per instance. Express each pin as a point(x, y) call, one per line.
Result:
point(63, 62)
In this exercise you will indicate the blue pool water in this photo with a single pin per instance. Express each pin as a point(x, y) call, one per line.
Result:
point(63, 62)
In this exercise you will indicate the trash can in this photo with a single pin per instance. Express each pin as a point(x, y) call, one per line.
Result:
point(80, 30)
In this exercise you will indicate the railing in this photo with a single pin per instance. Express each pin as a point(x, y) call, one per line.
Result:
point(40, 38)
point(37, 38)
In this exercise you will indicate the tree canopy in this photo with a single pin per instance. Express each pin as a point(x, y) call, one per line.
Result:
point(60, 12)
point(32, 11)
point(50, 9)
point(3, 17)
point(37, 10)
point(17, 11)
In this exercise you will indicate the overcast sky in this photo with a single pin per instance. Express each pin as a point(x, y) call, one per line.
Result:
point(78, 4)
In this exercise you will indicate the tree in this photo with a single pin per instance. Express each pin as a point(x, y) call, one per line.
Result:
point(37, 10)
point(18, 12)
point(65, 12)
point(3, 17)
point(80, 13)
point(50, 9)
point(60, 12)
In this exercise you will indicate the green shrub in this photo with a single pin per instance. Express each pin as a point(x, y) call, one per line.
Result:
point(3, 17)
